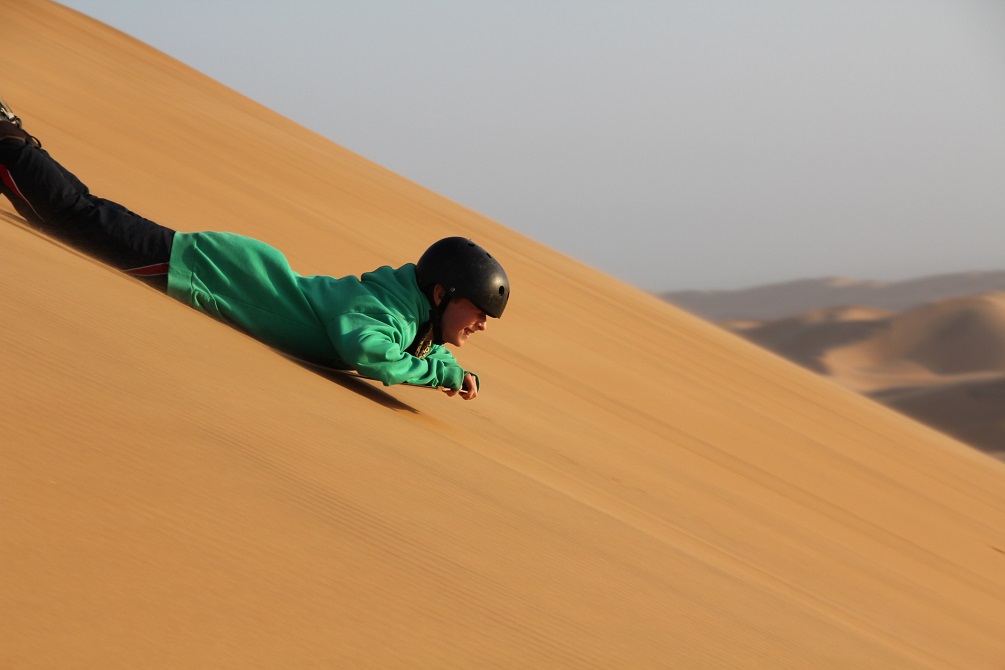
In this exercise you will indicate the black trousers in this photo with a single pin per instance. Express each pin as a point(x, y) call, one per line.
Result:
point(60, 205)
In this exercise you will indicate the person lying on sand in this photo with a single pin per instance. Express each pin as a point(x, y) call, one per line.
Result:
point(390, 324)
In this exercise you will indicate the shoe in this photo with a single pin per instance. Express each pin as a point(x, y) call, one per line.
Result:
point(8, 115)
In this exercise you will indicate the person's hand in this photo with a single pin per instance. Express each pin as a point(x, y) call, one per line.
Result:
point(468, 390)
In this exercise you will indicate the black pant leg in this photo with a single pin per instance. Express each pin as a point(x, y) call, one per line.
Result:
point(60, 205)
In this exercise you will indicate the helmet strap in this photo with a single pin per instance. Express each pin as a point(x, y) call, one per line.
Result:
point(437, 311)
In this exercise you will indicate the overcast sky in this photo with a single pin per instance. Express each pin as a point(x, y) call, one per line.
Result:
point(676, 144)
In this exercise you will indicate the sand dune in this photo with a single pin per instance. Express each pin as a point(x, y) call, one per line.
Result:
point(968, 409)
point(951, 337)
point(789, 299)
point(940, 363)
point(806, 339)
point(634, 488)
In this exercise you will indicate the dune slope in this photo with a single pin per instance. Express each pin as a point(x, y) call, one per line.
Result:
point(634, 487)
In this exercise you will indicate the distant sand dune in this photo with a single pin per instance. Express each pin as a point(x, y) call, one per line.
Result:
point(970, 410)
point(807, 339)
point(940, 363)
point(958, 336)
point(786, 299)
point(633, 488)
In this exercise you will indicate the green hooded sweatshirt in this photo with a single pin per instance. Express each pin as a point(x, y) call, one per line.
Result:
point(362, 323)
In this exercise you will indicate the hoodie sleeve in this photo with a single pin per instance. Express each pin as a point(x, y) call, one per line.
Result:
point(441, 353)
point(373, 345)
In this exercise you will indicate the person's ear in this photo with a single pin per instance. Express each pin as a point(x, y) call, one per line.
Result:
point(438, 293)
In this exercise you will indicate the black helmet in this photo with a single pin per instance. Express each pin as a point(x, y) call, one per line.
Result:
point(466, 271)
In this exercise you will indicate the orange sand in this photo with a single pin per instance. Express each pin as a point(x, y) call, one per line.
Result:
point(634, 488)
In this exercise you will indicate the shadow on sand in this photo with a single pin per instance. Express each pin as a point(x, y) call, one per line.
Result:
point(359, 385)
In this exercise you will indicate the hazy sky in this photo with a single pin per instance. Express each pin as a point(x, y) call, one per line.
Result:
point(673, 143)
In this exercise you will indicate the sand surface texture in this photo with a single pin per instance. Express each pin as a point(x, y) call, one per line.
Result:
point(634, 488)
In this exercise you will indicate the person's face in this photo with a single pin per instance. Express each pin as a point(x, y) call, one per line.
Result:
point(460, 320)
